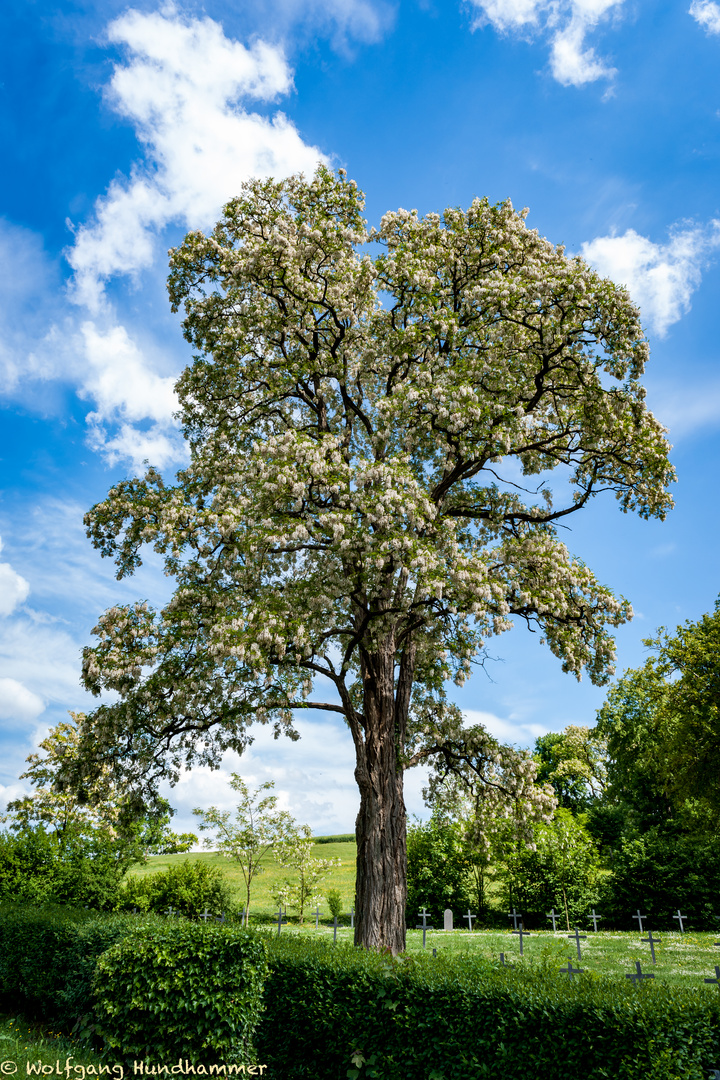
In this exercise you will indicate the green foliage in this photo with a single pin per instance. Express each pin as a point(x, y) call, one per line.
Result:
point(182, 989)
point(574, 761)
point(48, 954)
point(37, 867)
point(660, 873)
point(438, 869)
point(188, 887)
point(343, 1012)
point(341, 838)
point(561, 872)
point(334, 902)
point(662, 723)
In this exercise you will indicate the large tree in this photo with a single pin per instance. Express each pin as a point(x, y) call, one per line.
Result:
point(662, 725)
point(353, 517)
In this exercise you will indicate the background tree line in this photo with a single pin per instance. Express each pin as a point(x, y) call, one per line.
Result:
point(638, 817)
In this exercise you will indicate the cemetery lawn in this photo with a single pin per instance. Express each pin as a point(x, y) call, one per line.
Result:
point(682, 959)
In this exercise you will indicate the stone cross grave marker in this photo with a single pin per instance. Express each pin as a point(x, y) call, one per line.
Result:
point(424, 916)
point(448, 919)
point(316, 913)
point(716, 979)
point(469, 918)
point(171, 911)
point(242, 917)
point(334, 929)
point(522, 933)
point(514, 915)
point(637, 975)
point(352, 918)
point(577, 936)
point(570, 970)
point(680, 919)
point(640, 918)
point(554, 918)
point(595, 918)
point(221, 917)
point(205, 916)
point(652, 942)
point(281, 918)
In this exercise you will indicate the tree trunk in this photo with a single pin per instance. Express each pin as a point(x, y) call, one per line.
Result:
point(380, 829)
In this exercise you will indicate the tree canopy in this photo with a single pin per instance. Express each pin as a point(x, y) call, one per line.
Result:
point(355, 515)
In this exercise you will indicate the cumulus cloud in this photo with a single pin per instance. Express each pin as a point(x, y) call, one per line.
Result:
point(17, 702)
point(184, 87)
point(14, 589)
point(565, 24)
point(707, 14)
point(661, 278)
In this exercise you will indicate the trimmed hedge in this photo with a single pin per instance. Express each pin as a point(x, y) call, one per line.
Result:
point(182, 990)
point(48, 954)
point(344, 1014)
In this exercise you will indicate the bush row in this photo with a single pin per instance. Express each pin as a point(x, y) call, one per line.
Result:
point(170, 989)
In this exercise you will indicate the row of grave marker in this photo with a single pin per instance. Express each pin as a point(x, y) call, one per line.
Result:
point(636, 976)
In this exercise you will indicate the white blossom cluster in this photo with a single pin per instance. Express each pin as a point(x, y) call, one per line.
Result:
point(344, 512)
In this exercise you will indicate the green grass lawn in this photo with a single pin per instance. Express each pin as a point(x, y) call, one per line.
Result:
point(271, 875)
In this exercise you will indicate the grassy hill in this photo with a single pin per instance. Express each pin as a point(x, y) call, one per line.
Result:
point(272, 874)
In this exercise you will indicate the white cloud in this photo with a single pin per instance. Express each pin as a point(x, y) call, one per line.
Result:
point(14, 589)
point(661, 278)
point(707, 14)
point(509, 731)
point(565, 23)
point(182, 88)
point(17, 702)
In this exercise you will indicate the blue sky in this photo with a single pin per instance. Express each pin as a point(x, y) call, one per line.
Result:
point(123, 127)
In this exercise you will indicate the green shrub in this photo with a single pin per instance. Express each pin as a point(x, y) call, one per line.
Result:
point(188, 887)
point(182, 989)
point(35, 868)
point(339, 1012)
point(334, 900)
point(438, 870)
point(48, 955)
point(660, 873)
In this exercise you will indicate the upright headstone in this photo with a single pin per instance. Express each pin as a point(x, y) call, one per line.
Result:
point(448, 919)
point(640, 918)
point(424, 916)
point(680, 918)
point(576, 937)
point(522, 933)
point(652, 942)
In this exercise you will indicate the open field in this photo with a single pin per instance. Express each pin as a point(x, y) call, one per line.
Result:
point(271, 876)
